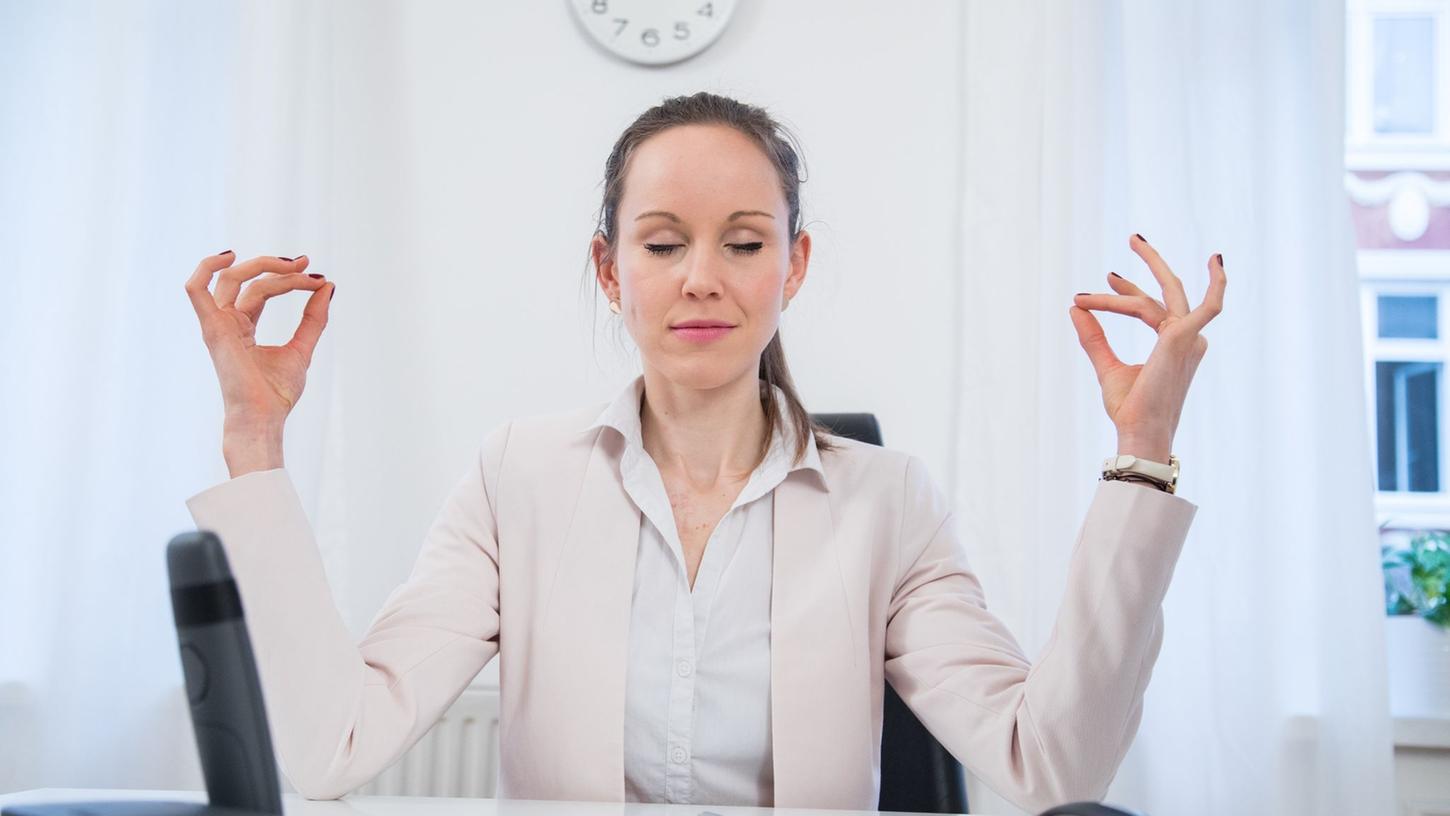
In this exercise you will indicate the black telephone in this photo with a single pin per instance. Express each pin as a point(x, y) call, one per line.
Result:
point(227, 711)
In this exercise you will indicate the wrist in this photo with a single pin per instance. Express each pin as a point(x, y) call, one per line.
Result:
point(248, 447)
point(250, 460)
point(1152, 449)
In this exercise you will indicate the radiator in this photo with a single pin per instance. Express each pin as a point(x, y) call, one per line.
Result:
point(457, 757)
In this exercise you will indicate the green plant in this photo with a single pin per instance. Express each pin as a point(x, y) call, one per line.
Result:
point(1417, 578)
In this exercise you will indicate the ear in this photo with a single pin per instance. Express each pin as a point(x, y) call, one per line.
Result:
point(800, 258)
point(604, 267)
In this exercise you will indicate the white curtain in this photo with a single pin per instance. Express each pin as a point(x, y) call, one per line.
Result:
point(1206, 127)
point(104, 164)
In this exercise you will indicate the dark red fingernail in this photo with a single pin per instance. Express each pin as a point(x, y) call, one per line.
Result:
point(332, 294)
point(280, 258)
point(1115, 274)
point(1140, 238)
point(225, 252)
point(1220, 260)
point(314, 275)
point(1082, 293)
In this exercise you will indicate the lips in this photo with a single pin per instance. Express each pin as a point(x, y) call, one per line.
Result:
point(703, 324)
point(701, 331)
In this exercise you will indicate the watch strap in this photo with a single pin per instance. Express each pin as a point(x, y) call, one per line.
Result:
point(1166, 474)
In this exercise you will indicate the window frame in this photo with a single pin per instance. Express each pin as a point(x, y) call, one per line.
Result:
point(1402, 272)
point(1364, 148)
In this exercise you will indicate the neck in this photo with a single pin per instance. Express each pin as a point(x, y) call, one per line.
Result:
point(708, 437)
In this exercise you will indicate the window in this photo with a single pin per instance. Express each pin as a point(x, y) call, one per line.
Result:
point(1408, 353)
point(1407, 348)
point(1407, 396)
point(1398, 81)
point(1408, 316)
point(1404, 74)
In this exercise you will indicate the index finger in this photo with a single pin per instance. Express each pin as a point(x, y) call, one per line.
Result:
point(231, 280)
point(198, 286)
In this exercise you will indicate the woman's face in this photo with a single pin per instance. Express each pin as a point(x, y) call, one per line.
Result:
point(702, 237)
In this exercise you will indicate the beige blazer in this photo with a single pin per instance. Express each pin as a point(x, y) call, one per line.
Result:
point(531, 558)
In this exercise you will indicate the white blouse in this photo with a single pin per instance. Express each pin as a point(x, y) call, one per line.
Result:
point(697, 708)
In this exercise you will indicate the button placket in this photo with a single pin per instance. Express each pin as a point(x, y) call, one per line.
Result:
point(680, 723)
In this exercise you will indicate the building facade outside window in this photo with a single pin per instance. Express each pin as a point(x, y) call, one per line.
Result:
point(1397, 157)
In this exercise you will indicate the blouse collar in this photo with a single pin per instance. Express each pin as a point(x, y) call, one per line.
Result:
point(622, 414)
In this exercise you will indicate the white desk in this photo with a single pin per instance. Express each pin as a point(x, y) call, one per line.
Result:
point(295, 805)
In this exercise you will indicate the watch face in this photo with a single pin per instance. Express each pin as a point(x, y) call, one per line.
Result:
point(653, 32)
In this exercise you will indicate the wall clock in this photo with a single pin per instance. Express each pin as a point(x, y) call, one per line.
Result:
point(653, 32)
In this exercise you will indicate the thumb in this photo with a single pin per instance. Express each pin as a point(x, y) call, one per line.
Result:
point(314, 319)
point(1094, 342)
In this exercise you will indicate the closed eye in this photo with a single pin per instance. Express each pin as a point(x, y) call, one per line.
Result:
point(740, 249)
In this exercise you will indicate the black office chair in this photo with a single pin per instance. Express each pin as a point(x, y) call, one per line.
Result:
point(918, 774)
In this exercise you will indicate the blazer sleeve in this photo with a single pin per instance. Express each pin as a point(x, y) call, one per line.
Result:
point(1054, 731)
point(343, 711)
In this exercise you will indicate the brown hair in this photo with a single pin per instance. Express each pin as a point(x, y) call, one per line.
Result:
point(780, 147)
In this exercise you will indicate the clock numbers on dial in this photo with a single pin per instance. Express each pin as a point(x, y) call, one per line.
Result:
point(653, 32)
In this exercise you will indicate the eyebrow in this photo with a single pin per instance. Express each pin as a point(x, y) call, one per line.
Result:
point(675, 218)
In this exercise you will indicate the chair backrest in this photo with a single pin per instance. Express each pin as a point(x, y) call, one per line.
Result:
point(918, 774)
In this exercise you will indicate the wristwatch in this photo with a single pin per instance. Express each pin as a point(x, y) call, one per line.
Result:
point(1165, 475)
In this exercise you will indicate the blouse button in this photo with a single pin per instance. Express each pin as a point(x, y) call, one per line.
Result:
point(683, 668)
point(678, 755)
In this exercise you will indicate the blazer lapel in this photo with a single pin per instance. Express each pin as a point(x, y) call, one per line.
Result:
point(819, 683)
point(590, 604)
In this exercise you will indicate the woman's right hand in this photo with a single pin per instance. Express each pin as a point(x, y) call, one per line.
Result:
point(260, 384)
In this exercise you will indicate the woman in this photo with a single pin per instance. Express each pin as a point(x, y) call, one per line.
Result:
point(695, 594)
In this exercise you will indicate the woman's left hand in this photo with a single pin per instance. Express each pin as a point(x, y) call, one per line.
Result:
point(1144, 401)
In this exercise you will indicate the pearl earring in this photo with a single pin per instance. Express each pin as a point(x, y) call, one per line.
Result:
point(614, 306)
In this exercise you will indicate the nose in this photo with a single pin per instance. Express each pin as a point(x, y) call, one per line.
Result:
point(702, 275)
